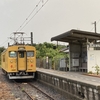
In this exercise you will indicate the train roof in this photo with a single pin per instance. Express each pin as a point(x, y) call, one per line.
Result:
point(17, 46)
point(20, 45)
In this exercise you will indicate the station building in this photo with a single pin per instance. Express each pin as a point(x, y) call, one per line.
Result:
point(84, 49)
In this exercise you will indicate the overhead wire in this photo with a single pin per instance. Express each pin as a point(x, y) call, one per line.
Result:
point(4, 42)
point(22, 25)
point(29, 15)
point(34, 15)
point(6, 45)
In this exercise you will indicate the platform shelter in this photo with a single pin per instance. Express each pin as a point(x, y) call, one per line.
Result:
point(84, 49)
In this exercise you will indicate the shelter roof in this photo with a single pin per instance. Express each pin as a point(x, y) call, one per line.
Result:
point(76, 35)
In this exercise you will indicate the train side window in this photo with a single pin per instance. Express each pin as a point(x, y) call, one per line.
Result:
point(30, 53)
point(21, 54)
point(12, 54)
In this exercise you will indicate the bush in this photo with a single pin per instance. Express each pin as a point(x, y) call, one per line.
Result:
point(97, 69)
point(90, 72)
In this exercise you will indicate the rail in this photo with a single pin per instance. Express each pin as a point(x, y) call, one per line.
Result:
point(41, 91)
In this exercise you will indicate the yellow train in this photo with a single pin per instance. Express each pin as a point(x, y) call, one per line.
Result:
point(19, 61)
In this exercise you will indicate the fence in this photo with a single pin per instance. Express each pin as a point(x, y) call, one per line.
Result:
point(56, 64)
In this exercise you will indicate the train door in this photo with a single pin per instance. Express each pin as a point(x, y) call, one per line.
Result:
point(21, 60)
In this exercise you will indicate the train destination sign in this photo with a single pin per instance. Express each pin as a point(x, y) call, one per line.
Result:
point(21, 48)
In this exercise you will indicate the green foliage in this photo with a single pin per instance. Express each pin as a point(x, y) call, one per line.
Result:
point(23, 90)
point(97, 69)
point(46, 49)
point(1, 50)
point(90, 72)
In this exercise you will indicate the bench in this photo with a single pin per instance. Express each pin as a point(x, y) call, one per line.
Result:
point(83, 69)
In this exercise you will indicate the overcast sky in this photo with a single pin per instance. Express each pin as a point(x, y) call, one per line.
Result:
point(56, 17)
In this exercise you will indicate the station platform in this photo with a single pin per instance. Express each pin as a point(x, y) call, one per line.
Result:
point(76, 76)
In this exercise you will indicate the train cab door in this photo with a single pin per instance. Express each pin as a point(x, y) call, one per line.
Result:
point(21, 60)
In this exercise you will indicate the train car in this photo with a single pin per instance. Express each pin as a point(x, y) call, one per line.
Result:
point(19, 61)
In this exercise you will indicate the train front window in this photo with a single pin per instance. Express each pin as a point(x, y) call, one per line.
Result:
point(12, 54)
point(21, 54)
point(30, 53)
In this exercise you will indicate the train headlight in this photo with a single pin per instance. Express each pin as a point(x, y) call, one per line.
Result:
point(31, 61)
point(11, 61)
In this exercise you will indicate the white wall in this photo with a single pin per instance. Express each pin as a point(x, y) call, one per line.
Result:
point(93, 59)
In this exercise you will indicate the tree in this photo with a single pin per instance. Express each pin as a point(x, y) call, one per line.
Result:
point(46, 49)
point(1, 50)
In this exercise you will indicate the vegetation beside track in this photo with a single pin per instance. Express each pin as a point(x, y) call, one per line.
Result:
point(45, 49)
point(1, 50)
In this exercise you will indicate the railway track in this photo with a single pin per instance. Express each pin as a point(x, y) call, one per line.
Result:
point(41, 91)
point(22, 88)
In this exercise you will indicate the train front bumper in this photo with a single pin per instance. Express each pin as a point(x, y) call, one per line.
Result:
point(21, 77)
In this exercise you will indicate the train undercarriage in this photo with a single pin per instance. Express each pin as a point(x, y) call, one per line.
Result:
point(19, 75)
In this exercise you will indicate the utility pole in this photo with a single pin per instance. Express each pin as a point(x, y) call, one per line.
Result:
point(95, 26)
point(31, 38)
